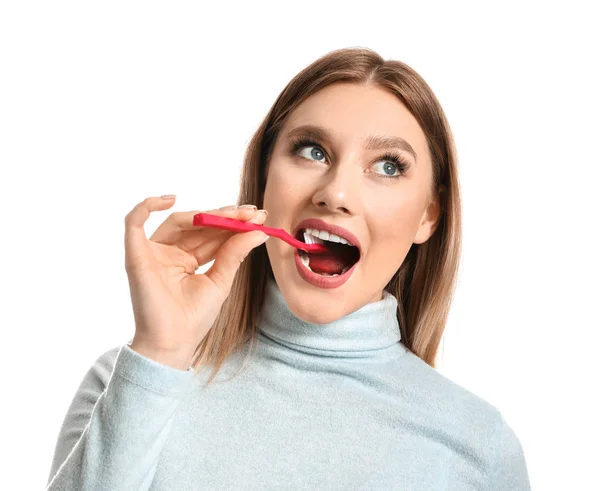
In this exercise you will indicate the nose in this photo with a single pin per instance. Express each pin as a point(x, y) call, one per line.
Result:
point(338, 192)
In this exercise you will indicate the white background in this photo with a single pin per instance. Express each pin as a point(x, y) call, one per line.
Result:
point(103, 104)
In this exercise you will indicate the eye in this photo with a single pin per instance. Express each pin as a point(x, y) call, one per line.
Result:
point(313, 153)
point(389, 168)
point(393, 162)
point(311, 150)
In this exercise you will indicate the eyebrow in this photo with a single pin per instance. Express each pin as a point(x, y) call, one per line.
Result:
point(373, 142)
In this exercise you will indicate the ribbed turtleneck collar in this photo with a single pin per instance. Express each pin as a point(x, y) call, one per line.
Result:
point(372, 327)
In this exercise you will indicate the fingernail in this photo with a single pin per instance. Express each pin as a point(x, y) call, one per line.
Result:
point(168, 196)
point(264, 211)
point(250, 207)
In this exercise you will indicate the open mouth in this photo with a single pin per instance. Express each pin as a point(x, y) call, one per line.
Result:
point(339, 259)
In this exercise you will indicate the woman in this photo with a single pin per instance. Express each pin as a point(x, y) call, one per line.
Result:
point(317, 381)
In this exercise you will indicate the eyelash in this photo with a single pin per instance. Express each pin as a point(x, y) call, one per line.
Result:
point(400, 162)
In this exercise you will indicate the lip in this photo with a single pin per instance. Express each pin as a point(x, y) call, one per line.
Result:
point(318, 280)
point(329, 227)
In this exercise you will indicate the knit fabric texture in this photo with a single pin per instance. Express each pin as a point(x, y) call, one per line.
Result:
point(337, 406)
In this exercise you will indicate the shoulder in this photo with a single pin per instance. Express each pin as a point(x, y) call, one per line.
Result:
point(446, 407)
point(470, 421)
point(442, 393)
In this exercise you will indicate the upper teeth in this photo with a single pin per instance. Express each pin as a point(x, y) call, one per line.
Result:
point(321, 235)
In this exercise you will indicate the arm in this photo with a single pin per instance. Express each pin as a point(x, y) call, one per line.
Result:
point(510, 468)
point(115, 428)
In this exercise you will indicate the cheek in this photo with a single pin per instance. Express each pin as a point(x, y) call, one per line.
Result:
point(273, 185)
point(281, 198)
point(395, 225)
point(284, 184)
point(391, 239)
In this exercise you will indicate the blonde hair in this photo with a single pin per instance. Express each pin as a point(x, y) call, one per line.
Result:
point(425, 282)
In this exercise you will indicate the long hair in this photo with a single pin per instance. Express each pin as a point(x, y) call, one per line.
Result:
point(425, 282)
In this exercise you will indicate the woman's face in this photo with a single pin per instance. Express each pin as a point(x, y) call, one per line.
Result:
point(342, 180)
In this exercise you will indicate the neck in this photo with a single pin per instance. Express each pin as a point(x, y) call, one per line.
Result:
point(366, 332)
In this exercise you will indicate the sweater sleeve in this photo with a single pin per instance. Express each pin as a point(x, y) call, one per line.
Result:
point(116, 426)
point(510, 468)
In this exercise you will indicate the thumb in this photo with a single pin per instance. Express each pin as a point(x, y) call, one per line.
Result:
point(231, 255)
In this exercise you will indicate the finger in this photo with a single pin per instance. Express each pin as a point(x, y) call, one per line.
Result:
point(230, 256)
point(136, 244)
point(204, 249)
point(177, 224)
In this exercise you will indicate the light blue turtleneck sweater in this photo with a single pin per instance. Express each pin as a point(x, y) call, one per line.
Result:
point(339, 406)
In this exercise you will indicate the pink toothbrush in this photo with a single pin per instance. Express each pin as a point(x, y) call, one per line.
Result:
point(216, 221)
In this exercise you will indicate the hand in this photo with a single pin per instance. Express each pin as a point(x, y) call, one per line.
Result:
point(174, 308)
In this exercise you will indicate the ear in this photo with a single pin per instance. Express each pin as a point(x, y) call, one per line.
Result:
point(430, 219)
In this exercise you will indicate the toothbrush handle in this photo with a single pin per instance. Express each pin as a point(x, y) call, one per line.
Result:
point(231, 224)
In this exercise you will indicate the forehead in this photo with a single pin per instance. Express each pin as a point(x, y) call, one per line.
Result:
point(352, 112)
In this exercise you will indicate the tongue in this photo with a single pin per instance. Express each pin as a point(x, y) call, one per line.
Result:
point(332, 262)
